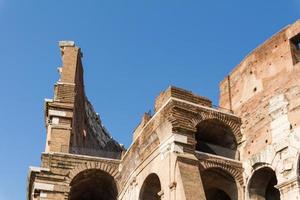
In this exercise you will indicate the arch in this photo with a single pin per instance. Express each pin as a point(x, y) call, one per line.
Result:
point(219, 185)
point(231, 121)
point(109, 168)
point(262, 184)
point(215, 137)
point(236, 171)
point(151, 188)
point(93, 184)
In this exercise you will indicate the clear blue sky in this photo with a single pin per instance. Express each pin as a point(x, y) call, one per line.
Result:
point(132, 51)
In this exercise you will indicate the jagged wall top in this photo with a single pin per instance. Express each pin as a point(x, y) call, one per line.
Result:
point(72, 124)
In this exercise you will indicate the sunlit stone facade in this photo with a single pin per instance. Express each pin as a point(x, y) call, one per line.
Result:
point(247, 148)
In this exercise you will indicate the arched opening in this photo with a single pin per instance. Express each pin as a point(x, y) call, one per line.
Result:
point(150, 188)
point(262, 185)
point(219, 185)
point(93, 185)
point(215, 137)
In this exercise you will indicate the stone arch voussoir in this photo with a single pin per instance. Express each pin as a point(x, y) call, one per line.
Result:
point(233, 124)
point(237, 174)
point(106, 167)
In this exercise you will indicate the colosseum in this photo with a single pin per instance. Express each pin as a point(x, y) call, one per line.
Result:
point(247, 148)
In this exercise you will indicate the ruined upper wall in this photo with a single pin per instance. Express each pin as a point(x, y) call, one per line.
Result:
point(72, 124)
point(264, 90)
point(165, 96)
point(182, 94)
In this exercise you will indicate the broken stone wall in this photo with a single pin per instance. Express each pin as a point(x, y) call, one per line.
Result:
point(75, 127)
point(90, 136)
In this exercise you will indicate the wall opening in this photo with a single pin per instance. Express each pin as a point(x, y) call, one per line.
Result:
point(93, 185)
point(219, 185)
point(215, 137)
point(262, 185)
point(295, 48)
point(150, 188)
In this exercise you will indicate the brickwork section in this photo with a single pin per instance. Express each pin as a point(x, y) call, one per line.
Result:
point(191, 179)
point(182, 94)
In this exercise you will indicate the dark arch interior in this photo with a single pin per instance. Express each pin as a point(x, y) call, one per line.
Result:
point(299, 166)
point(93, 185)
point(261, 185)
point(219, 185)
point(150, 188)
point(216, 194)
point(215, 137)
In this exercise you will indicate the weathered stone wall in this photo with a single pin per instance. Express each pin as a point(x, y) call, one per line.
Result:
point(264, 90)
point(98, 133)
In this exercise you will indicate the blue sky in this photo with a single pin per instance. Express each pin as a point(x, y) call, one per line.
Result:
point(132, 51)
